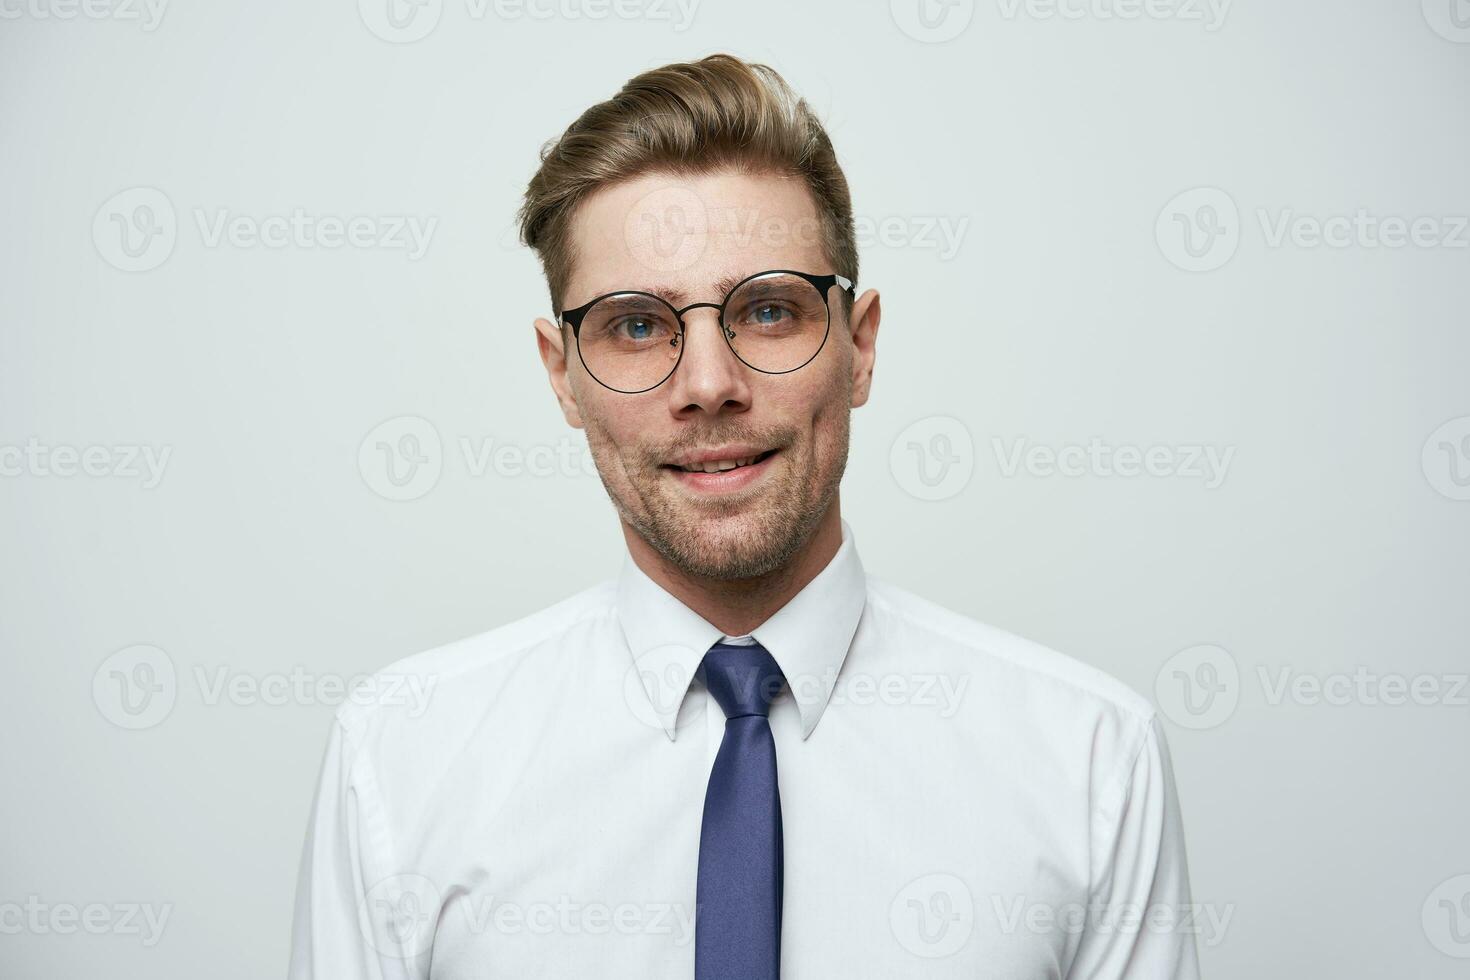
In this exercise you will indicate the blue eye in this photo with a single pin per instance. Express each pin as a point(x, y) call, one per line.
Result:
point(638, 328)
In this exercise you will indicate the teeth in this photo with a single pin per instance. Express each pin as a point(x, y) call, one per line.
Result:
point(718, 465)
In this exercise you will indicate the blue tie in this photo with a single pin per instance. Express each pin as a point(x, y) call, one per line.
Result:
point(737, 934)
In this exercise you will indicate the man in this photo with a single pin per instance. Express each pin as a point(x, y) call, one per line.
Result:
point(742, 757)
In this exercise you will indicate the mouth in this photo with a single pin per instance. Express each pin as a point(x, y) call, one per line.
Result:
point(722, 476)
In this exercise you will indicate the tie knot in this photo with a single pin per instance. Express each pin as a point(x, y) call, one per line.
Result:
point(743, 680)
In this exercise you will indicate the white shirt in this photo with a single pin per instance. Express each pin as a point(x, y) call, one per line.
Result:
point(957, 801)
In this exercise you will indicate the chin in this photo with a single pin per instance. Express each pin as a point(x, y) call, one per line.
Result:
point(741, 545)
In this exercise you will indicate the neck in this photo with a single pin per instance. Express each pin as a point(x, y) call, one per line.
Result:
point(736, 607)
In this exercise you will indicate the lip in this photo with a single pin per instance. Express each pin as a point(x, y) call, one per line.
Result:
point(728, 481)
point(734, 450)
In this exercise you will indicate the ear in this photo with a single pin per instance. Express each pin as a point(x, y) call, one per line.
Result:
point(866, 312)
point(550, 341)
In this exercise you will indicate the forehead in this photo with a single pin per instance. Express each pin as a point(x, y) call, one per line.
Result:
point(689, 238)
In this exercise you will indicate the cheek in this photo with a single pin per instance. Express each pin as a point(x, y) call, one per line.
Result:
point(602, 438)
point(830, 400)
point(817, 419)
point(613, 432)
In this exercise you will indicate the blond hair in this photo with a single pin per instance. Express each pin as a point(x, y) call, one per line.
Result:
point(687, 119)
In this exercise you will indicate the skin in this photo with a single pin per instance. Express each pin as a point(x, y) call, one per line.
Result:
point(737, 559)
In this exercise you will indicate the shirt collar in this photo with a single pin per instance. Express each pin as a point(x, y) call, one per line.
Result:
point(808, 637)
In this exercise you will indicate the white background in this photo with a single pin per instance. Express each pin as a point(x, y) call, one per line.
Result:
point(1052, 142)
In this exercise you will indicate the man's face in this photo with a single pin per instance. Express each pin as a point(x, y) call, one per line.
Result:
point(677, 237)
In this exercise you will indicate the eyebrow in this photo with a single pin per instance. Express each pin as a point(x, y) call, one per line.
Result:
point(679, 297)
point(620, 304)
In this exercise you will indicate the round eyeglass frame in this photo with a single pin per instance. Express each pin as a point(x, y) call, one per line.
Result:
point(573, 318)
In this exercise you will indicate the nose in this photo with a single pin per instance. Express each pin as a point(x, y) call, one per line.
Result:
point(709, 377)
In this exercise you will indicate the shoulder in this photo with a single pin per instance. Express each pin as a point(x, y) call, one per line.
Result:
point(471, 668)
point(1002, 661)
point(1075, 731)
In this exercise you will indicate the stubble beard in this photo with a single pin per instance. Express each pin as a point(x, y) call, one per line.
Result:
point(743, 538)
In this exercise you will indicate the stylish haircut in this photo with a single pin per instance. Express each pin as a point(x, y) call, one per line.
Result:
point(687, 119)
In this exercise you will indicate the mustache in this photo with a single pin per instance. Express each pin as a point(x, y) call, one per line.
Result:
point(768, 439)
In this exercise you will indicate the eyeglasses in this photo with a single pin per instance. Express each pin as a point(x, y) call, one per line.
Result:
point(774, 322)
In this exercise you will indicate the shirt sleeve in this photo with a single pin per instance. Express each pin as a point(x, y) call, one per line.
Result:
point(349, 921)
point(1140, 923)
